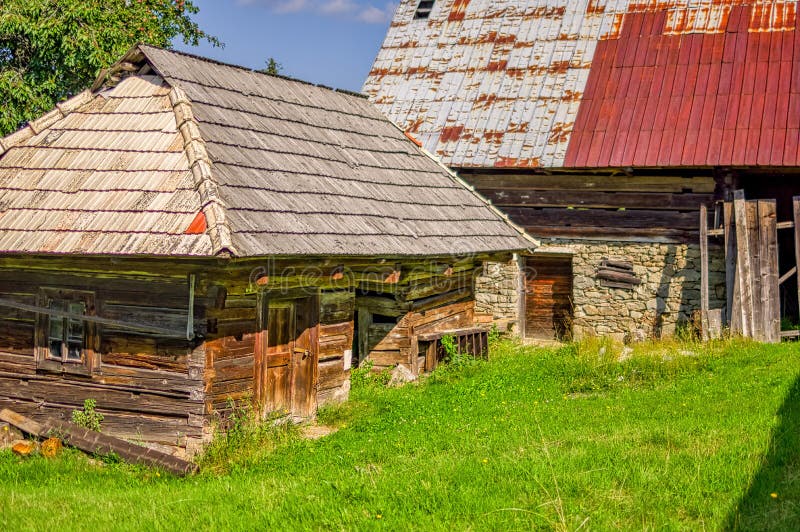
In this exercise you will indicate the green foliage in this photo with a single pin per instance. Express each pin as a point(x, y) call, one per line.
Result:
point(273, 68)
point(450, 347)
point(245, 439)
point(88, 418)
point(53, 49)
point(695, 436)
point(364, 377)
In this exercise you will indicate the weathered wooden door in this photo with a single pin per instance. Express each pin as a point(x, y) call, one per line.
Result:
point(548, 297)
point(286, 357)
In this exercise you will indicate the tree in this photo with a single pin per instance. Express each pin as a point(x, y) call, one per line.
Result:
point(53, 49)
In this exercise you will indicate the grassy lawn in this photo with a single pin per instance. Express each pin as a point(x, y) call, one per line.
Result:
point(677, 436)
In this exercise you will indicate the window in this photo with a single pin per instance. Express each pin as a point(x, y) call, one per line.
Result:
point(64, 340)
point(424, 9)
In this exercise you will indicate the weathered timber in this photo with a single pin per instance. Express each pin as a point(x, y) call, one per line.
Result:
point(601, 218)
point(97, 443)
point(788, 275)
point(796, 217)
point(139, 327)
point(596, 199)
point(592, 182)
point(768, 258)
point(730, 264)
point(704, 272)
point(757, 318)
point(744, 305)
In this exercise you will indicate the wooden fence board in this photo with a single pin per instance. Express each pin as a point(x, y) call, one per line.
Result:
point(704, 271)
point(744, 303)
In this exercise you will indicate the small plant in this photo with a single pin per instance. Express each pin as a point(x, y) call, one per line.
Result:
point(450, 347)
point(88, 418)
point(361, 376)
point(494, 334)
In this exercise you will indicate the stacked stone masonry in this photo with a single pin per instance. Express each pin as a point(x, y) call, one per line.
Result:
point(666, 300)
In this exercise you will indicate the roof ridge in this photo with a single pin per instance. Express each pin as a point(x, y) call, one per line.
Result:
point(34, 127)
point(211, 204)
point(143, 47)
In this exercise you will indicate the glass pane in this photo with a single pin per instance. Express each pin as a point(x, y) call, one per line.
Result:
point(55, 349)
point(74, 351)
point(55, 331)
point(75, 331)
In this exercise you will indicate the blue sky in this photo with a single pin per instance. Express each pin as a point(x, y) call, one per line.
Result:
point(332, 42)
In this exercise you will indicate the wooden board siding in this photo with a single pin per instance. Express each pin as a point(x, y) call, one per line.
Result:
point(658, 207)
point(148, 388)
point(336, 329)
point(390, 344)
point(548, 297)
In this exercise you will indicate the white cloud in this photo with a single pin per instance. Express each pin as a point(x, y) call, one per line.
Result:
point(353, 9)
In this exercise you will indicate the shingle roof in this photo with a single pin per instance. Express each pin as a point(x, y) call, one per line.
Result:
point(198, 158)
point(598, 83)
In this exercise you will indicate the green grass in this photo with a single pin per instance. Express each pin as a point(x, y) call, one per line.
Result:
point(677, 436)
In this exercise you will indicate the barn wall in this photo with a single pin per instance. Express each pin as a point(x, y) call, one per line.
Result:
point(390, 344)
point(148, 388)
point(668, 295)
point(335, 346)
point(498, 293)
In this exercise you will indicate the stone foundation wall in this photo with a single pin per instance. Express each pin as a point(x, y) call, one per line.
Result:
point(497, 291)
point(667, 297)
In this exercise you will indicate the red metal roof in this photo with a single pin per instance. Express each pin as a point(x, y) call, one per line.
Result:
point(601, 83)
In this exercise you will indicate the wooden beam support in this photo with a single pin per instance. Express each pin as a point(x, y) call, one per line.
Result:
point(796, 213)
point(786, 276)
point(704, 272)
point(768, 258)
point(97, 443)
point(730, 265)
point(743, 269)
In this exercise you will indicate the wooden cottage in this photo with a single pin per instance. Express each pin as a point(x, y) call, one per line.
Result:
point(188, 236)
point(602, 127)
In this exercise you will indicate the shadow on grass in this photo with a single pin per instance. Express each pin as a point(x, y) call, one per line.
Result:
point(772, 502)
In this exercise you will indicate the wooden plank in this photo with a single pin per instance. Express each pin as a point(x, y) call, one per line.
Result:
point(631, 219)
point(796, 216)
point(768, 256)
point(743, 270)
point(595, 199)
point(757, 323)
point(97, 443)
point(788, 275)
point(730, 267)
point(139, 327)
point(590, 182)
point(704, 271)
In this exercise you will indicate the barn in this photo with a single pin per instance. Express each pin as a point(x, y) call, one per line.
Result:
point(602, 128)
point(187, 237)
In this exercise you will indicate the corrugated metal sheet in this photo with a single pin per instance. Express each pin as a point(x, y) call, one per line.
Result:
point(278, 167)
point(596, 83)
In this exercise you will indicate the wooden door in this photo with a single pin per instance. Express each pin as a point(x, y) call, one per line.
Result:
point(304, 358)
point(286, 359)
point(548, 298)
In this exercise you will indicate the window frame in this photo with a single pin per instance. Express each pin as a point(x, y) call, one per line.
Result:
point(423, 12)
point(44, 361)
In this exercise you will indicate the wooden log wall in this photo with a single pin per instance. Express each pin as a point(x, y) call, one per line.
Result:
point(336, 329)
point(148, 387)
point(658, 207)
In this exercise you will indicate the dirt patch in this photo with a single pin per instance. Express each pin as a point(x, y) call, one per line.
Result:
point(315, 432)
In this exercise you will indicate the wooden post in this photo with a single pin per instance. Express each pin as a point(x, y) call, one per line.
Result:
point(757, 316)
point(768, 259)
point(730, 266)
point(704, 272)
point(364, 321)
point(743, 270)
point(796, 209)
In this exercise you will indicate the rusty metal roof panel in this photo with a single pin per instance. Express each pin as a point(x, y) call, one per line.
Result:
point(516, 84)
